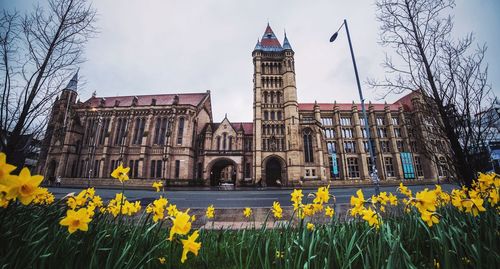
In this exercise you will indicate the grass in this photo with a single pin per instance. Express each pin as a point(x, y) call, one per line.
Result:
point(32, 238)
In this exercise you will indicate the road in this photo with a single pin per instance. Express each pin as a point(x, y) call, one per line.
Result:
point(233, 198)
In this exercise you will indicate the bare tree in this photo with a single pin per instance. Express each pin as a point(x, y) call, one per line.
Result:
point(450, 76)
point(39, 50)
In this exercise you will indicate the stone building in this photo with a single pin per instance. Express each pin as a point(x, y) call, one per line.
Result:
point(173, 136)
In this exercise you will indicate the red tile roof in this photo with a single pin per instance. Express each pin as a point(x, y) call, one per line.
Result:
point(269, 39)
point(247, 126)
point(344, 106)
point(193, 99)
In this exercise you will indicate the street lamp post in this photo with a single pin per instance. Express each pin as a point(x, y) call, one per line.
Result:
point(374, 174)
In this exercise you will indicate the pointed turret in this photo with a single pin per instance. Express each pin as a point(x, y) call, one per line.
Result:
point(269, 41)
point(73, 83)
point(286, 43)
point(258, 46)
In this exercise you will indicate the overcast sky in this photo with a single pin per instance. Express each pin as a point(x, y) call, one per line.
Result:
point(165, 46)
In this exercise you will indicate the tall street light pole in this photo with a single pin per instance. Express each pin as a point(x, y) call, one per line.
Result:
point(374, 174)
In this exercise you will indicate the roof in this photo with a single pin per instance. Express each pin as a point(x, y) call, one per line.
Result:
point(269, 42)
point(193, 99)
point(247, 126)
point(345, 106)
point(406, 102)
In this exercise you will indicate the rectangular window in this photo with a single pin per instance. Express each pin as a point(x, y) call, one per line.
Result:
point(370, 165)
point(180, 132)
point(248, 170)
point(158, 169)
point(380, 121)
point(353, 168)
point(329, 133)
point(347, 132)
point(418, 167)
point(406, 161)
point(279, 115)
point(399, 145)
point(364, 133)
point(397, 132)
point(327, 121)
point(266, 115)
point(366, 147)
point(382, 132)
point(157, 131)
point(395, 120)
point(131, 171)
point(350, 146)
point(384, 146)
point(332, 148)
point(136, 169)
point(272, 115)
point(177, 168)
point(389, 167)
point(345, 121)
point(152, 170)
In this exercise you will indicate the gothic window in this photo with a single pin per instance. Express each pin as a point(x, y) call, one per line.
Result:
point(138, 130)
point(118, 130)
point(278, 97)
point(395, 120)
point(230, 143)
point(382, 132)
point(308, 147)
point(279, 115)
point(266, 115)
point(331, 147)
point(153, 166)
point(218, 142)
point(272, 115)
point(265, 97)
point(180, 131)
point(272, 97)
point(384, 146)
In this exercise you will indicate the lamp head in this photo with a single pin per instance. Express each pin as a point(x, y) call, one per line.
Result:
point(334, 36)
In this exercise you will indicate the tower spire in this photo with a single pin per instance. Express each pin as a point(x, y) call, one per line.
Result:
point(73, 83)
point(269, 42)
point(286, 43)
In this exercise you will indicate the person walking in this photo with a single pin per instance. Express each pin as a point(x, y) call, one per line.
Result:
point(58, 181)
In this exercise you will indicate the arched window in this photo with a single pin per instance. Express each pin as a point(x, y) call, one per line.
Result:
point(230, 143)
point(265, 97)
point(218, 142)
point(308, 147)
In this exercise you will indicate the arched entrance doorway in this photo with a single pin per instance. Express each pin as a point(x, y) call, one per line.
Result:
point(223, 171)
point(274, 172)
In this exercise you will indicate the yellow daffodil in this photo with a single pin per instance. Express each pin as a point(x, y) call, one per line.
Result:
point(430, 218)
point(5, 168)
point(426, 200)
point(247, 212)
point(210, 213)
point(157, 185)
point(121, 173)
point(43, 197)
point(358, 201)
point(22, 187)
point(279, 254)
point(76, 220)
point(277, 211)
point(172, 210)
point(310, 226)
point(404, 190)
point(322, 195)
point(162, 260)
point(190, 245)
point(329, 212)
point(371, 217)
point(181, 224)
point(473, 205)
point(393, 200)
point(296, 196)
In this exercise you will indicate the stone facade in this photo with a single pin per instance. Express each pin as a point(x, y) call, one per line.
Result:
point(173, 136)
